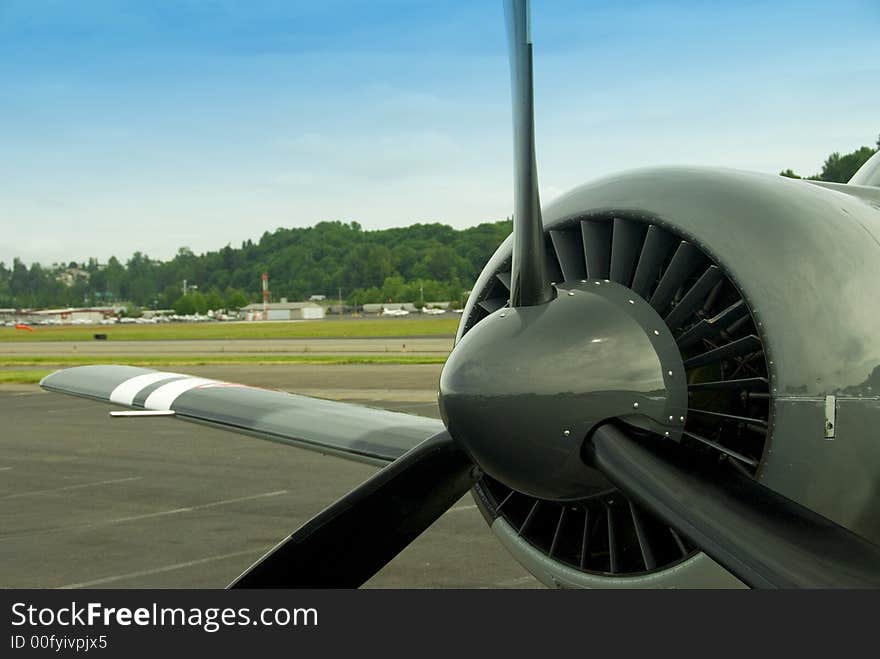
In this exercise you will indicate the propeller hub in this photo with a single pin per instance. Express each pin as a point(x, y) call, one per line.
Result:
point(524, 388)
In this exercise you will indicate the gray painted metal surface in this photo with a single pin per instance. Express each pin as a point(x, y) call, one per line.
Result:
point(352, 431)
point(96, 382)
point(838, 478)
point(867, 193)
point(781, 242)
point(525, 387)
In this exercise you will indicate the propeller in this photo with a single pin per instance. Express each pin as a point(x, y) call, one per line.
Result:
point(350, 541)
point(529, 284)
point(347, 543)
point(566, 392)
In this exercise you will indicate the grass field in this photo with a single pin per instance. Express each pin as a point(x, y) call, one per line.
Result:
point(22, 377)
point(173, 360)
point(19, 372)
point(342, 329)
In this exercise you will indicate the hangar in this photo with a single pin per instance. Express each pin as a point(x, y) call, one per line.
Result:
point(283, 311)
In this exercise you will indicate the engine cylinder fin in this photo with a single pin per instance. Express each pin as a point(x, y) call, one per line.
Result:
point(504, 278)
point(530, 516)
point(736, 325)
point(713, 326)
point(737, 466)
point(746, 384)
point(557, 533)
point(597, 248)
point(721, 448)
point(612, 541)
point(570, 253)
point(694, 297)
point(742, 346)
point(712, 298)
point(476, 315)
point(493, 304)
point(585, 540)
point(732, 417)
point(626, 243)
point(505, 500)
point(576, 533)
point(655, 251)
point(554, 270)
point(642, 537)
point(683, 263)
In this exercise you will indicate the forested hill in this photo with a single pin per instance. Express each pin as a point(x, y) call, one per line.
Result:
point(369, 266)
point(424, 261)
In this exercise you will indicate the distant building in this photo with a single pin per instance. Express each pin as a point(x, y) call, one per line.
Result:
point(78, 315)
point(283, 311)
point(317, 298)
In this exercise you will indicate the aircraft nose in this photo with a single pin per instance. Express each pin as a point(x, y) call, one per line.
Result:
point(524, 388)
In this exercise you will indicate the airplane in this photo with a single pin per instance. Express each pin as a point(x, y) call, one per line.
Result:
point(664, 378)
point(394, 312)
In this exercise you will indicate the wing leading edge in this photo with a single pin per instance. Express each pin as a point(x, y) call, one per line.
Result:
point(351, 431)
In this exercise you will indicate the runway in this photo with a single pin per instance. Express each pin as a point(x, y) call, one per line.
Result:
point(87, 501)
point(218, 347)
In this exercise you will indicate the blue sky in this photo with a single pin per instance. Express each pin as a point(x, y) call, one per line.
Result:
point(150, 125)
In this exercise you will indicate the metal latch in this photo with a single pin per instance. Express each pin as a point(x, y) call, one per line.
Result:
point(830, 416)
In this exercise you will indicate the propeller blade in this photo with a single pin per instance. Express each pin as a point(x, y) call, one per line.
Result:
point(529, 283)
point(764, 539)
point(346, 544)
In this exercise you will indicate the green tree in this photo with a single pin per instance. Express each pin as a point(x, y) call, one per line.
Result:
point(168, 297)
point(114, 274)
point(19, 283)
point(235, 299)
point(393, 290)
point(366, 265)
point(199, 302)
point(139, 283)
point(132, 311)
point(840, 169)
point(5, 294)
point(184, 305)
point(213, 300)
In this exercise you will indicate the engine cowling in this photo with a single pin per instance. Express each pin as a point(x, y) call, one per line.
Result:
point(766, 286)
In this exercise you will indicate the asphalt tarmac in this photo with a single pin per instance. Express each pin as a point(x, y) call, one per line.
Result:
point(219, 347)
point(90, 501)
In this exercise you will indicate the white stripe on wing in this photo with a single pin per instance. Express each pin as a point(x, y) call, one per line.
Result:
point(125, 393)
point(163, 397)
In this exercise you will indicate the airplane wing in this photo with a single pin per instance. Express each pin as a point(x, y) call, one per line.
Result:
point(350, 431)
